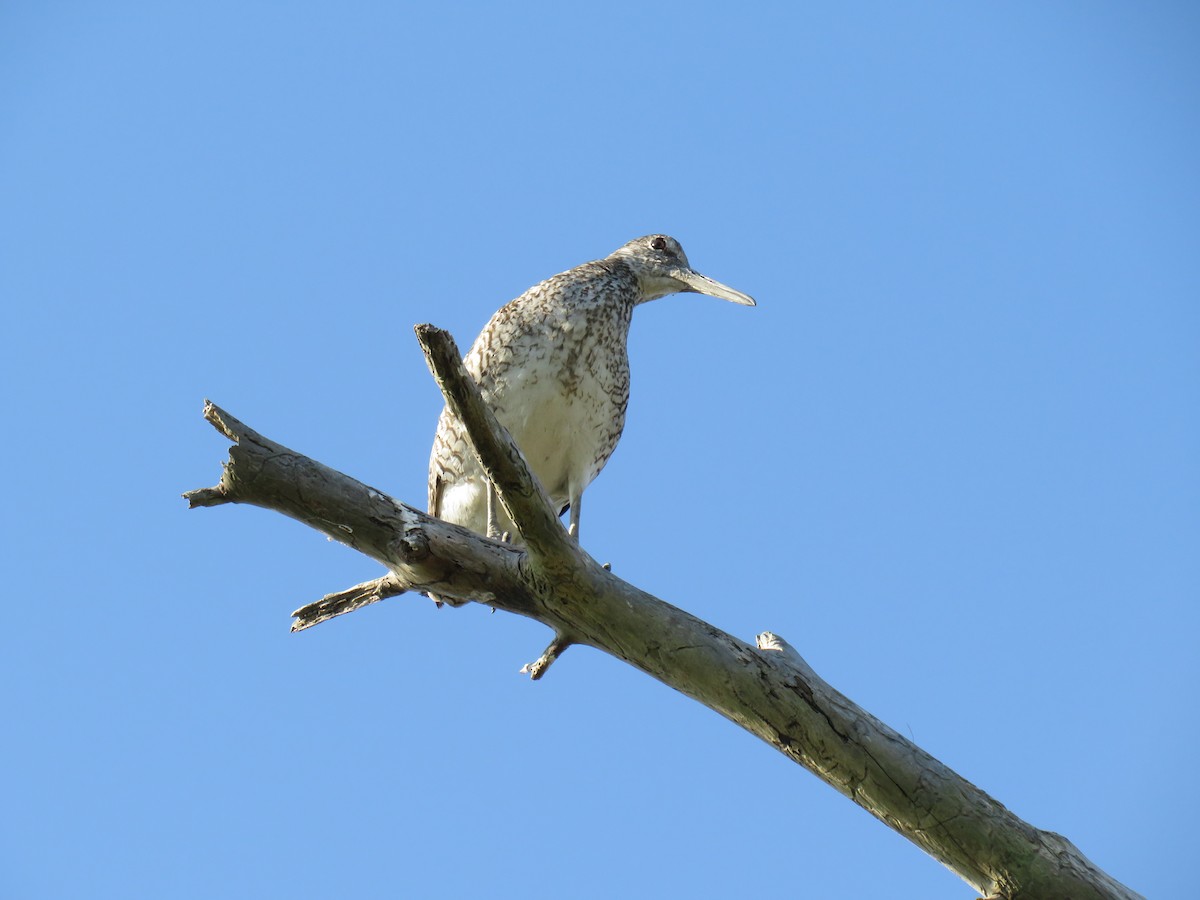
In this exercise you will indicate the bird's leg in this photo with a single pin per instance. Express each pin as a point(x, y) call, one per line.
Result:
point(493, 520)
point(493, 526)
point(573, 530)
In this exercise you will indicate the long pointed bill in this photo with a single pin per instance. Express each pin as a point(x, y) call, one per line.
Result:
point(696, 283)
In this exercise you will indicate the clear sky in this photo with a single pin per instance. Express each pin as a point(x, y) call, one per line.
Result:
point(951, 456)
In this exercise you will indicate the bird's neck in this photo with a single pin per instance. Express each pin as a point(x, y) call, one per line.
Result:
point(643, 289)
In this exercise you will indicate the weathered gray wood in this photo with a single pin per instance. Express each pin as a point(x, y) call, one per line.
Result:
point(423, 552)
point(766, 689)
point(347, 601)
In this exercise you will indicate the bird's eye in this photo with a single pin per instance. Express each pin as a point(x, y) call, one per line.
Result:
point(659, 243)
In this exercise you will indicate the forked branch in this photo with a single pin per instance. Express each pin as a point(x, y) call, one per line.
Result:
point(766, 689)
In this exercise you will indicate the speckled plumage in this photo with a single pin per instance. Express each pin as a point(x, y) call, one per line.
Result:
point(554, 366)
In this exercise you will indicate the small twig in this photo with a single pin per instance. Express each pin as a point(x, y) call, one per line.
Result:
point(346, 601)
point(209, 496)
point(538, 668)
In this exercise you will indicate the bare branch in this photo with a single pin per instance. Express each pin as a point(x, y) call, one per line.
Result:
point(771, 692)
point(523, 497)
point(420, 550)
point(347, 601)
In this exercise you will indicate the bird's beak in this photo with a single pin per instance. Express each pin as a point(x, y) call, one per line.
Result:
point(695, 283)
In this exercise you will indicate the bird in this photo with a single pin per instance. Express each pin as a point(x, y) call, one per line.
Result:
point(553, 365)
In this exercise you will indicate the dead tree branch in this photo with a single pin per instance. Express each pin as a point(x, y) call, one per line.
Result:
point(766, 689)
point(342, 602)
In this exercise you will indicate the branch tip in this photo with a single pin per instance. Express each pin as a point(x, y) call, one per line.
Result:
point(209, 496)
point(232, 428)
point(342, 602)
point(538, 668)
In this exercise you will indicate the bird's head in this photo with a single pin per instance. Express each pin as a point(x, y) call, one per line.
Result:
point(662, 268)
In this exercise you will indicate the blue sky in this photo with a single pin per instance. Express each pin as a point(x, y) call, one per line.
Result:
point(951, 456)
